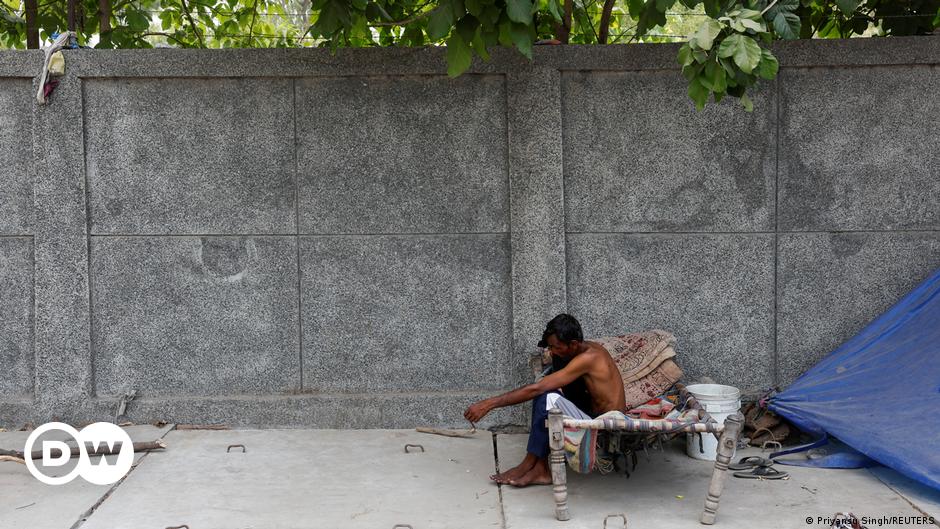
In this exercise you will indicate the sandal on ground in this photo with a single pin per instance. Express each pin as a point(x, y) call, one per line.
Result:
point(749, 462)
point(762, 473)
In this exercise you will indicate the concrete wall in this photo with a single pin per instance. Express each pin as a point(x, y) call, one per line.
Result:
point(289, 237)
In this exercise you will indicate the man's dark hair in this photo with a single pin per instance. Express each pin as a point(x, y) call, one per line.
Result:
point(564, 327)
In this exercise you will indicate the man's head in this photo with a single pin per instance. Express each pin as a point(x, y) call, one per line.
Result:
point(562, 335)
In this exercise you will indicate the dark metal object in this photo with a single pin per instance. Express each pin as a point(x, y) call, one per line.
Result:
point(230, 447)
point(407, 452)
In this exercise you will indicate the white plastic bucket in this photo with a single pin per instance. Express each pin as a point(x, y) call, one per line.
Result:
point(720, 402)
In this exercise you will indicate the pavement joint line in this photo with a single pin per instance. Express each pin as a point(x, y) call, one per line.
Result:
point(499, 486)
point(903, 497)
point(87, 514)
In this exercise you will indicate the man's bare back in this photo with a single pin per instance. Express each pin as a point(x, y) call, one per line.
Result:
point(603, 380)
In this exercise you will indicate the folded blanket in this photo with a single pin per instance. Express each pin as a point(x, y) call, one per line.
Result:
point(657, 408)
point(646, 361)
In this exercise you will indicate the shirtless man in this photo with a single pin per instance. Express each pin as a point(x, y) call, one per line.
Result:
point(586, 360)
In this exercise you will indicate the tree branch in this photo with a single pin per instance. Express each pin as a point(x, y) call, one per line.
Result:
point(766, 9)
point(251, 26)
point(563, 30)
point(413, 18)
point(605, 21)
point(162, 34)
point(192, 23)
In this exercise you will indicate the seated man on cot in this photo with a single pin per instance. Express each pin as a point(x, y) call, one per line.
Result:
point(588, 363)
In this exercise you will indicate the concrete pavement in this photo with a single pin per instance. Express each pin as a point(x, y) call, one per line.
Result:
point(328, 479)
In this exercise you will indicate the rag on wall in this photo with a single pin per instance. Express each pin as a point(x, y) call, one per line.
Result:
point(53, 64)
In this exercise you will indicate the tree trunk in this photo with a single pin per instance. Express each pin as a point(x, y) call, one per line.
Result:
point(71, 15)
point(605, 21)
point(104, 16)
point(32, 28)
point(563, 30)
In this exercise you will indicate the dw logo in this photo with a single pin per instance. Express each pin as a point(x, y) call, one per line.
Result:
point(99, 473)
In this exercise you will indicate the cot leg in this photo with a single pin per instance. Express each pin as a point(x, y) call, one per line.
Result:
point(556, 441)
point(726, 446)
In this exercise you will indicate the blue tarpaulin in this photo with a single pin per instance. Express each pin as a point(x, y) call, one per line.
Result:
point(879, 392)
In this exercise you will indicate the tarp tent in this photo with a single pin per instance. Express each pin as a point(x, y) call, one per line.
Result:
point(879, 392)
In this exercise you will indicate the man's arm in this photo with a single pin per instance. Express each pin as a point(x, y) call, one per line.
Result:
point(577, 367)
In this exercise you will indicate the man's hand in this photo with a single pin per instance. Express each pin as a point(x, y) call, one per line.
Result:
point(477, 410)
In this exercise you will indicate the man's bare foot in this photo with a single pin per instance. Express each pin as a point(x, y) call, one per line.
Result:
point(538, 475)
point(517, 471)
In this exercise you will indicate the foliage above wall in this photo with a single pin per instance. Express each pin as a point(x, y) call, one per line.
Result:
point(725, 51)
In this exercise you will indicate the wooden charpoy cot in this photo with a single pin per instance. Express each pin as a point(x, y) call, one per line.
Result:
point(647, 364)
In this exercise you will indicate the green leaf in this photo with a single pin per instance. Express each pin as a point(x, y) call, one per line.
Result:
point(522, 38)
point(749, 14)
point(137, 21)
point(458, 55)
point(700, 56)
point(848, 6)
point(781, 5)
point(505, 33)
point(490, 36)
point(664, 5)
point(479, 46)
point(555, 10)
point(745, 52)
point(467, 27)
point(753, 25)
point(705, 35)
point(519, 11)
point(698, 93)
point(440, 21)
point(712, 8)
point(747, 103)
point(474, 7)
point(360, 4)
point(685, 55)
point(490, 16)
point(690, 3)
point(714, 78)
point(787, 25)
point(768, 66)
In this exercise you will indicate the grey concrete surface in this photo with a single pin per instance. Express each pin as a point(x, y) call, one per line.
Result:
point(402, 154)
point(830, 285)
point(342, 478)
point(315, 410)
point(188, 156)
point(669, 492)
point(581, 144)
point(16, 317)
point(641, 158)
point(382, 312)
point(537, 211)
point(16, 200)
point(27, 502)
point(714, 292)
point(923, 498)
point(830, 178)
point(63, 370)
point(308, 479)
point(195, 315)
